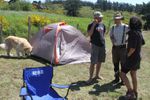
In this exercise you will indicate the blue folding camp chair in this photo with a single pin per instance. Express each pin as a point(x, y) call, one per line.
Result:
point(37, 84)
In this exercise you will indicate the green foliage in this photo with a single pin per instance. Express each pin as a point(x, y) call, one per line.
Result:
point(25, 6)
point(72, 7)
point(86, 11)
point(4, 23)
point(4, 6)
point(54, 8)
point(145, 8)
point(21, 28)
point(146, 15)
point(17, 6)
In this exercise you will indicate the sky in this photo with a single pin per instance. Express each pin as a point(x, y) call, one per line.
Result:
point(124, 1)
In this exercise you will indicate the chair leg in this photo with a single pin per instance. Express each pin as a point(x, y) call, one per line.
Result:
point(23, 98)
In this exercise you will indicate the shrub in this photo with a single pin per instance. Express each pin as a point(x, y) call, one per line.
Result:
point(4, 23)
point(15, 6)
point(20, 5)
point(4, 6)
point(39, 20)
point(86, 12)
point(26, 6)
point(54, 8)
point(146, 18)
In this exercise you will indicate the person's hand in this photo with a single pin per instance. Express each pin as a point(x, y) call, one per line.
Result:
point(95, 22)
point(99, 29)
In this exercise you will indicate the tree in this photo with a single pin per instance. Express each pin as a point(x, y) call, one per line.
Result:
point(57, 1)
point(48, 1)
point(146, 15)
point(72, 7)
point(12, 1)
point(107, 5)
point(138, 8)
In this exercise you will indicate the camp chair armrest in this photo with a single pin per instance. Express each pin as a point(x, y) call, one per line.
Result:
point(23, 91)
point(60, 86)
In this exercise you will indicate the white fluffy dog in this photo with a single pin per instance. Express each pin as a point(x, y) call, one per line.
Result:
point(21, 45)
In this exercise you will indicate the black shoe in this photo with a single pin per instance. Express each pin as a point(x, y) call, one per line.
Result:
point(136, 95)
point(116, 80)
point(130, 96)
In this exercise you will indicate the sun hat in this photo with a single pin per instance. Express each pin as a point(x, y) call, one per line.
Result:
point(98, 14)
point(118, 15)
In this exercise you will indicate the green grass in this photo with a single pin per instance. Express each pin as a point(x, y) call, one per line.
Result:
point(11, 77)
point(18, 20)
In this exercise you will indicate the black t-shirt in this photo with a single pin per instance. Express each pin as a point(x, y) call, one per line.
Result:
point(134, 41)
point(96, 38)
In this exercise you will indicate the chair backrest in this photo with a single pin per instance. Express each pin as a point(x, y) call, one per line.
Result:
point(38, 80)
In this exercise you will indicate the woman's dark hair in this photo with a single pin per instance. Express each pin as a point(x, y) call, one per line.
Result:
point(135, 23)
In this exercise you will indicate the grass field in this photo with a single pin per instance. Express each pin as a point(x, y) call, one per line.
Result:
point(11, 77)
point(18, 20)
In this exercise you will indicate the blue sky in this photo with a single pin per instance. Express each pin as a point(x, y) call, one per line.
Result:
point(125, 1)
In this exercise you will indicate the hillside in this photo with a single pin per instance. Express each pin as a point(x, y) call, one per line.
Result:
point(17, 20)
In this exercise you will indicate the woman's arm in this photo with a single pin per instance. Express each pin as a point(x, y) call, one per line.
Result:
point(131, 51)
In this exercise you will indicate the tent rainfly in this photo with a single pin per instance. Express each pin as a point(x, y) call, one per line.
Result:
point(60, 43)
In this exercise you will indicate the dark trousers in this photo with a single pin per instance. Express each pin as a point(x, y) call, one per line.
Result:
point(118, 57)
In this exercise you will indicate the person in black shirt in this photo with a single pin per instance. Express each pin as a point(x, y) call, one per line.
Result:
point(96, 32)
point(133, 56)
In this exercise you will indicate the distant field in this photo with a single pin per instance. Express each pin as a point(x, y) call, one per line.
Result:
point(18, 20)
point(11, 77)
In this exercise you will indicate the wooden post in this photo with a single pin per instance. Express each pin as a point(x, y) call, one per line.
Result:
point(77, 26)
point(39, 26)
point(1, 32)
point(29, 27)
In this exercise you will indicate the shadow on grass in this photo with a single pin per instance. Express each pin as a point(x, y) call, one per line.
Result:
point(108, 87)
point(122, 98)
point(12, 57)
point(80, 84)
point(38, 59)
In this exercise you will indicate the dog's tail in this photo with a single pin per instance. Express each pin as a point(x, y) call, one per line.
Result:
point(3, 46)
